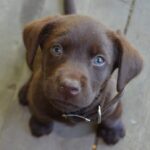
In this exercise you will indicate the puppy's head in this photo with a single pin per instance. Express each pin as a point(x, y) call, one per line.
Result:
point(78, 57)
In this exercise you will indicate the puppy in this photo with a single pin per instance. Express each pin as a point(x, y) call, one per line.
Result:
point(72, 59)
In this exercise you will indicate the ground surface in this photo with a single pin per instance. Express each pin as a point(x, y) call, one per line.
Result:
point(14, 131)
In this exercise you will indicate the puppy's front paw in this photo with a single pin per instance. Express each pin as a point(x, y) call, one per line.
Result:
point(111, 135)
point(39, 129)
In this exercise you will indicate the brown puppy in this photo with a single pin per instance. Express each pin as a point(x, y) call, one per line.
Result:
point(72, 59)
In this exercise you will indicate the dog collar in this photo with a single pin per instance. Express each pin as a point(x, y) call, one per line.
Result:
point(102, 112)
point(85, 118)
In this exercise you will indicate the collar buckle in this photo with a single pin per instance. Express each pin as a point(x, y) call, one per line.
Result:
point(99, 112)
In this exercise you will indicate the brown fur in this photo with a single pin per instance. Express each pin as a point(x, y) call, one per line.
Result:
point(82, 38)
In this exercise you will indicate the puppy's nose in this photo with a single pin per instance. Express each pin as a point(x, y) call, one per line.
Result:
point(70, 87)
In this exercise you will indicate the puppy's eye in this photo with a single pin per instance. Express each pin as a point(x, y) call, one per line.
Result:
point(98, 61)
point(56, 50)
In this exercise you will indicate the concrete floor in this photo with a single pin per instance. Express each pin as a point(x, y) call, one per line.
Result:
point(14, 131)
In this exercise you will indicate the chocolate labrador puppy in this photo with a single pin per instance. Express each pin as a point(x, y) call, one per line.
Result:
point(72, 59)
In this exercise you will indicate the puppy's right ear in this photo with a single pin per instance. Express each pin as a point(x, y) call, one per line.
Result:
point(31, 38)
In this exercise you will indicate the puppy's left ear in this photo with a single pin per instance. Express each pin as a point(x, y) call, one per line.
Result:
point(129, 62)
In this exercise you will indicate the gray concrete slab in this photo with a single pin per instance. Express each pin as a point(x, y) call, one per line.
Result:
point(139, 34)
point(112, 13)
point(14, 131)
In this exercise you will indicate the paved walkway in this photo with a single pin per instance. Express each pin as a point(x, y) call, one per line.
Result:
point(134, 15)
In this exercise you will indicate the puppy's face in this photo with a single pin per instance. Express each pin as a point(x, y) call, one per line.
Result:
point(78, 57)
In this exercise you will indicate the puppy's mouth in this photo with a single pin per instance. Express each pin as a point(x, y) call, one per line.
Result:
point(63, 106)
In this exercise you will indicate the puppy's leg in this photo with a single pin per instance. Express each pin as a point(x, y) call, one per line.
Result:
point(112, 129)
point(38, 128)
point(23, 93)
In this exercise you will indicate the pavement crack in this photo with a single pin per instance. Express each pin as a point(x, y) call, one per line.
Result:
point(132, 6)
